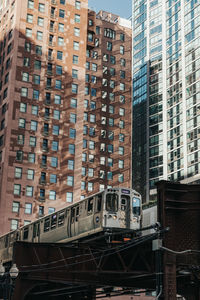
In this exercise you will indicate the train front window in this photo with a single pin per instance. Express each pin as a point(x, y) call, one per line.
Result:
point(112, 202)
point(136, 206)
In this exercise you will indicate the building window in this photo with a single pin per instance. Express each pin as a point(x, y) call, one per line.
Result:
point(32, 141)
point(83, 185)
point(110, 162)
point(70, 164)
point(30, 174)
point(24, 92)
point(34, 110)
point(122, 37)
point(71, 148)
point(53, 178)
point(109, 46)
point(39, 35)
point(41, 7)
point(92, 118)
point(31, 4)
point(74, 73)
point(90, 172)
point(61, 13)
point(56, 114)
point(31, 157)
point(74, 88)
point(28, 32)
point(59, 55)
point(37, 64)
point(90, 186)
point(94, 67)
point(19, 155)
point(122, 86)
point(58, 70)
point(55, 145)
point(73, 103)
point(121, 137)
point(69, 197)
point(121, 111)
point(76, 45)
point(121, 49)
point(17, 189)
point(121, 164)
point(29, 18)
point(36, 79)
point(40, 22)
point(122, 62)
point(57, 99)
point(36, 94)
point(55, 130)
point(75, 59)
point(52, 195)
point(70, 180)
point(20, 139)
point(84, 157)
point(77, 4)
point(38, 50)
point(121, 150)
point(77, 18)
point(97, 30)
point(14, 224)
point(28, 208)
point(76, 31)
point(112, 59)
point(25, 76)
point(122, 74)
point(72, 118)
point(15, 206)
point(22, 123)
point(121, 178)
point(91, 145)
point(18, 172)
point(60, 27)
point(54, 162)
point(27, 46)
point(60, 41)
point(110, 148)
point(108, 32)
point(121, 124)
point(58, 84)
point(122, 98)
point(29, 191)
point(72, 133)
point(109, 176)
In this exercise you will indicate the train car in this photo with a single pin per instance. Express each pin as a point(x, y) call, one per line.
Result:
point(111, 210)
point(149, 217)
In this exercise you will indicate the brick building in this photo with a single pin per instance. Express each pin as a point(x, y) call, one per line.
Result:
point(65, 109)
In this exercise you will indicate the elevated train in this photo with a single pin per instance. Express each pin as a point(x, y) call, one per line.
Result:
point(112, 210)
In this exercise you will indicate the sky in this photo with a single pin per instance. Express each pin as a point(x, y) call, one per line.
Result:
point(121, 8)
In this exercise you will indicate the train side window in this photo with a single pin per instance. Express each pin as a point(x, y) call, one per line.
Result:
point(112, 202)
point(46, 224)
point(72, 215)
point(6, 241)
point(136, 206)
point(61, 218)
point(90, 205)
point(98, 202)
point(77, 213)
point(25, 234)
point(53, 221)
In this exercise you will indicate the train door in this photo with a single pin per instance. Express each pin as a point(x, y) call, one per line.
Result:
point(98, 211)
point(125, 211)
point(74, 220)
point(36, 232)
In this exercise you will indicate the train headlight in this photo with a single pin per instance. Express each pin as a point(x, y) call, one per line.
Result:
point(134, 220)
point(115, 217)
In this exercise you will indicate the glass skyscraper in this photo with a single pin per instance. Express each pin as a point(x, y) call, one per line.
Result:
point(166, 93)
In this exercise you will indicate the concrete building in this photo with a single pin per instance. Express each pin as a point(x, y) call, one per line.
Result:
point(166, 93)
point(65, 106)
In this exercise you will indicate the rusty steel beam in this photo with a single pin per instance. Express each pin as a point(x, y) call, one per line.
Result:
point(179, 209)
point(125, 265)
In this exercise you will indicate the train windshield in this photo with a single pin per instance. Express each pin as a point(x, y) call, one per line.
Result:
point(112, 202)
point(136, 206)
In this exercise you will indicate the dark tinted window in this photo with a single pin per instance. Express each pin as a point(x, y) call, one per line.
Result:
point(112, 202)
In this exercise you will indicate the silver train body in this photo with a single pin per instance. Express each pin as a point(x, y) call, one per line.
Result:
point(114, 210)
